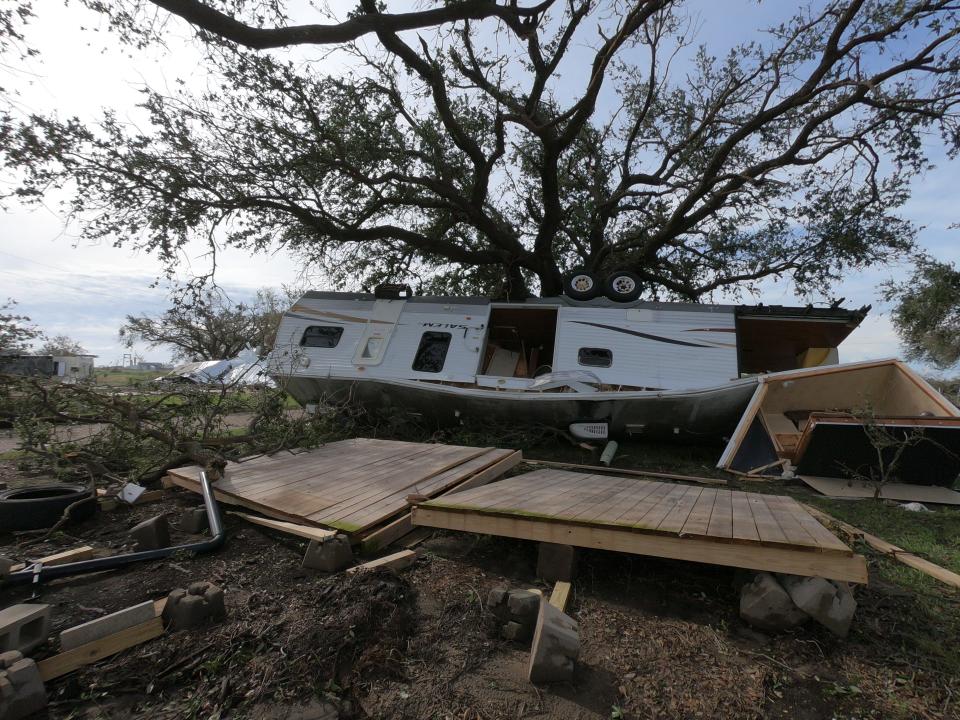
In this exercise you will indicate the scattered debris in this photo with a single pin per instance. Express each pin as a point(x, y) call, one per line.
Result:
point(556, 646)
point(915, 507)
point(21, 689)
point(131, 492)
point(24, 627)
point(151, 534)
point(198, 605)
point(329, 554)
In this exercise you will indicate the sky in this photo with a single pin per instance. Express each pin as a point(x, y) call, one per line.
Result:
point(68, 286)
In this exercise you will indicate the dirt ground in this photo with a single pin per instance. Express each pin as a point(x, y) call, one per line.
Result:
point(659, 639)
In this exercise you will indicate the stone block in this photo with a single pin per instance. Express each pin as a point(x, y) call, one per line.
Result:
point(195, 521)
point(556, 646)
point(107, 625)
point(496, 596)
point(556, 562)
point(21, 689)
point(829, 603)
point(766, 605)
point(151, 534)
point(516, 632)
point(329, 554)
point(523, 604)
point(24, 627)
point(5, 565)
point(199, 605)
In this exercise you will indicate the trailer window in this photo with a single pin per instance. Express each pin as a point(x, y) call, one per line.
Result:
point(321, 336)
point(595, 357)
point(432, 352)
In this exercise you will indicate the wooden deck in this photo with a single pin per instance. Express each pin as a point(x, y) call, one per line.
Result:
point(351, 485)
point(683, 522)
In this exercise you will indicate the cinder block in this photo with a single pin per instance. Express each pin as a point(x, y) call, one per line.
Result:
point(107, 625)
point(21, 689)
point(556, 562)
point(24, 627)
point(195, 520)
point(200, 604)
point(5, 565)
point(151, 534)
point(329, 554)
point(523, 604)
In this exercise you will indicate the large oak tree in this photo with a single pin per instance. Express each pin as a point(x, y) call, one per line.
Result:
point(475, 156)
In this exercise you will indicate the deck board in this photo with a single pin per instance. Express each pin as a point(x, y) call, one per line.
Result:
point(734, 528)
point(352, 485)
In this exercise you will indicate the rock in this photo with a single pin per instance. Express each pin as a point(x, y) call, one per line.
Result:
point(151, 534)
point(523, 604)
point(829, 603)
point(765, 605)
point(329, 554)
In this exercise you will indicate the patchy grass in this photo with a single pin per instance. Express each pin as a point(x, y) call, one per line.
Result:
point(125, 378)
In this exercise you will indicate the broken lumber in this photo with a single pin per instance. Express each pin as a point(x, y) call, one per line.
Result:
point(945, 576)
point(84, 552)
point(66, 662)
point(632, 473)
point(304, 531)
point(397, 561)
point(560, 595)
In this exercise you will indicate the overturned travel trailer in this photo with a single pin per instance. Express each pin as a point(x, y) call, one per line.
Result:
point(598, 368)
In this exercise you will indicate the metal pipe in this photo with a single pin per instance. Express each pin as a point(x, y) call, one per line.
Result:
point(38, 573)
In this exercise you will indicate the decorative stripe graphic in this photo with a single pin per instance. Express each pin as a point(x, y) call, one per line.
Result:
point(647, 336)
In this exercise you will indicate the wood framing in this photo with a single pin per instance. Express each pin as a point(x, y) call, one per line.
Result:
point(681, 522)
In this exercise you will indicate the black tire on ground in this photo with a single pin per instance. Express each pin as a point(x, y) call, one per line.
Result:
point(580, 284)
point(41, 506)
point(622, 286)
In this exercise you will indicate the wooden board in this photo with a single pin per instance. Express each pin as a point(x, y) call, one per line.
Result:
point(905, 492)
point(719, 526)
point(560, 595)
point(396, 561)
point(65, 662)
point(350, 485)
point(304, 531)
point(84, 552)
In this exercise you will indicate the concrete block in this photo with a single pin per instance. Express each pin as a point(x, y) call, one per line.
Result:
point(766, 605)
point(329, 554)
point(516, 632)
point(829, 603)
point(107, 625)
point(24, 627)
point(556, 562)
point(5, 565)
point(195, 520)
point(496, 596)
point(523, 604)
point(151, 534)
point(556, 646)
point(200, 604)
point(21, 689)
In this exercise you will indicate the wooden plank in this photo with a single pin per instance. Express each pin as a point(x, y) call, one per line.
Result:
point(848, 568)
point(404, 524)
point(698, 521)
point(624, 471)
point(935, 571)
point(674, 520)
point(84, 552)
point(721, 516)
point(304, 531)
point(744, 526)
point(560, 595)
point(397, 561)
point(66, 662)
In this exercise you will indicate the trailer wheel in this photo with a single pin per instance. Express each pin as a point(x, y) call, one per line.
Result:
point(33, 508)
point(622, 286)
point(581, 285)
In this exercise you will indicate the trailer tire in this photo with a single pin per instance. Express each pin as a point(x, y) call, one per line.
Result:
point(581, 284)
point(622, 286)
point(35, 508)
